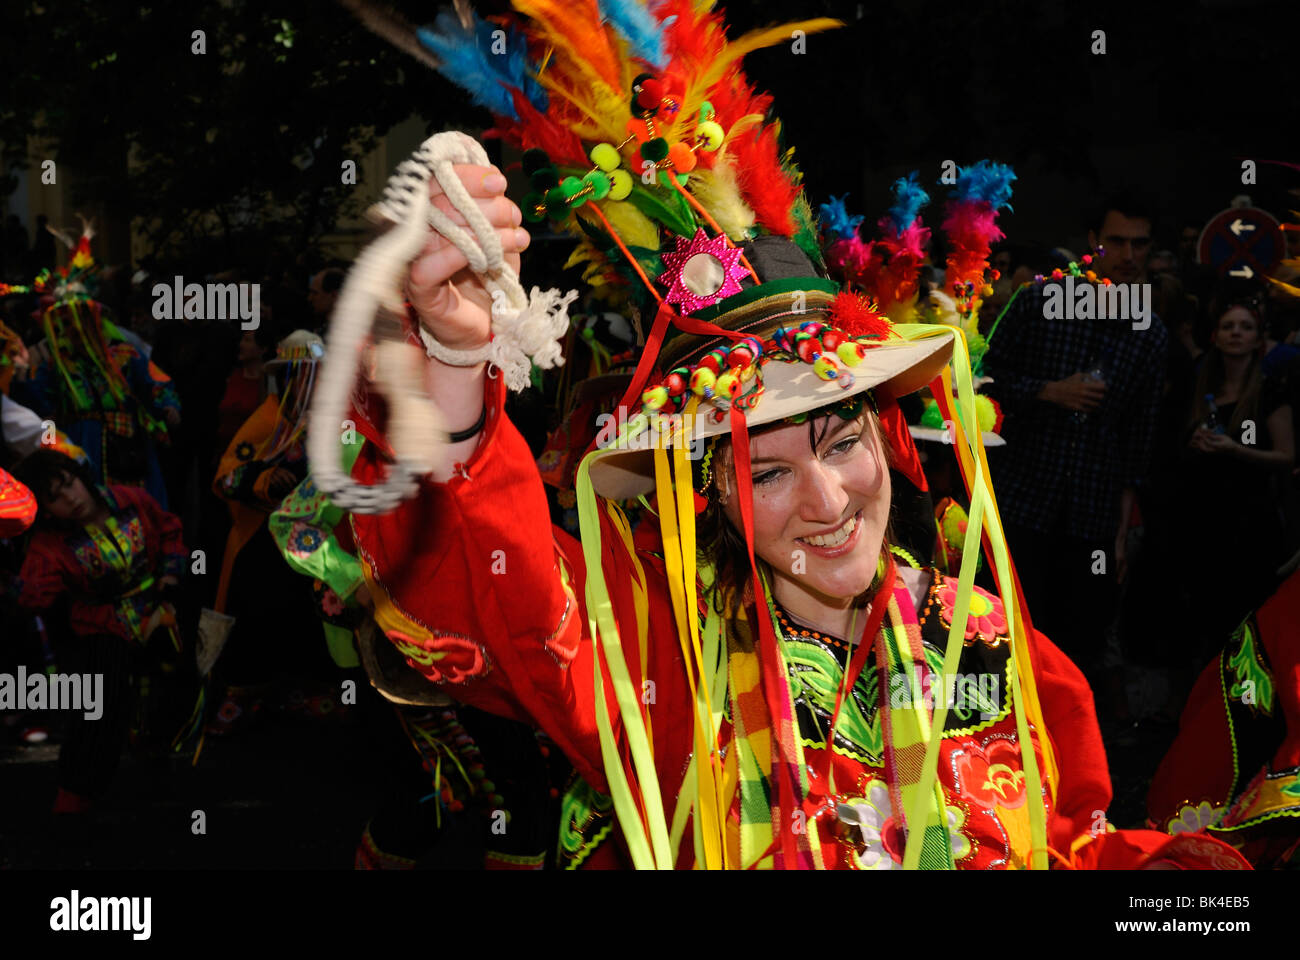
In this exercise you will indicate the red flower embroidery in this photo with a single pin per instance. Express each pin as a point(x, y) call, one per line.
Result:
point(991, 776)
point(987, 618)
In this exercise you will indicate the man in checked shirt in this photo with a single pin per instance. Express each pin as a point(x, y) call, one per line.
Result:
point(1080, 399)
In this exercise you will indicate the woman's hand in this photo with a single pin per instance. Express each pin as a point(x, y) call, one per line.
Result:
point(450, 299)
point(1208, 442)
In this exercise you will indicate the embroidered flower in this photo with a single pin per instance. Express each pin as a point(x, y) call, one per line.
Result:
point(987, 619)
point(873, 816)
point(244, 451)
point(990, 776)
point(330, 602)
point(304, 539)
point(1194, 819)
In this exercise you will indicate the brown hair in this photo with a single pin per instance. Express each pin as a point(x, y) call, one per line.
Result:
point(722, 546)
point(1210, 379)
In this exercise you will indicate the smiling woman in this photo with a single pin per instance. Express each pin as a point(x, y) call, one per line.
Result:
point(751, 675)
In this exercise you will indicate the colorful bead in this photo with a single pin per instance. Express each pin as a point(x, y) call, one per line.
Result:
point(846, 380)
point(739, 356)
point(676, 382)
point(729, 384)
point(805, 346)
point(831, 339)
point(655, 398)
point(710, 135)
point(826, 368)
point(713, 361)
point(620, 184)
point(702, 382)
point(682, 157)
point(605, 156)
point(851, 353)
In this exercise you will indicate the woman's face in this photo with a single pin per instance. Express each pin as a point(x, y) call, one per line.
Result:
point(819, 515)
point(70, 501)
point(1237, 332)
point(249, 348)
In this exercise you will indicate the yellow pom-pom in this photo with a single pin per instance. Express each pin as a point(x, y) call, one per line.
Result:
point(710, 135)
point(702, 382)
point(620, 184)
point(728, 384)
point(850, 353)
point(826, 368)
point(985, 414)
point(605, 156)
point(655, 398)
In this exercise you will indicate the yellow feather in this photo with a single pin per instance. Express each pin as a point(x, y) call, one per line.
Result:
point(633, 227)
point(754, 40)
point(718, 193)
point(1293, 291)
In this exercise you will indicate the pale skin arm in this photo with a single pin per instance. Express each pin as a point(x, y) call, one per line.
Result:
point(454, 306)
point(1280, 428)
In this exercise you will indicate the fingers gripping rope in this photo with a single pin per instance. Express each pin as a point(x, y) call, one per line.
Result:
point(525, 329)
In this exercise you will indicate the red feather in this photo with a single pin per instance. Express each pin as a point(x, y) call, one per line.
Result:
point(763, 183)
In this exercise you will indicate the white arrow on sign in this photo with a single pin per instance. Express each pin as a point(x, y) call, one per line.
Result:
point(1238, 227)
point(1244, 271)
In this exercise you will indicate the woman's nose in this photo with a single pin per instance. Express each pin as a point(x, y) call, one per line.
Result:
point(822, 496)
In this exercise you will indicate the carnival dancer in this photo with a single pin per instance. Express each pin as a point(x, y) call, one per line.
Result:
point(115, 554)
point(752, 677)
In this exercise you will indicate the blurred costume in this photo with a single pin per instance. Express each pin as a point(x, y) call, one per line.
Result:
point(122, 628)
point(109, 398)
point(1234, 770)
point(706, 728)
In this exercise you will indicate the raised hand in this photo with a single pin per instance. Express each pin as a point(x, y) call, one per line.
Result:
point(449, 298)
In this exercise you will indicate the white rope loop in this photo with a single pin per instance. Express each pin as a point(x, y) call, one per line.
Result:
point(525, 329)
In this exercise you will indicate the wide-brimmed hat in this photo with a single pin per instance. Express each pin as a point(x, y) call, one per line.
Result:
point(301, 345)
point(807, 345)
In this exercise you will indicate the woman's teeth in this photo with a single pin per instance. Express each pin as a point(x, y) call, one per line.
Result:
point(836, 538)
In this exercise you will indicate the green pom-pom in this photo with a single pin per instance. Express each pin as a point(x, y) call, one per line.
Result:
point(706, 111)
point(932, 418)
point(557, 204)
point(544, 178)
point(655, 150)
point(985, 415)
point(531, 202)
point(599, 184)
point(570, 186)
point(534, 160)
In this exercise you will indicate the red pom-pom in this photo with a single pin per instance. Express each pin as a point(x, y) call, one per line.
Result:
point(651, 92)
point(855, 315)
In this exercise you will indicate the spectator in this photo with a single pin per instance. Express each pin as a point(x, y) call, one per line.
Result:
point(322, 292)
point(1077, 447)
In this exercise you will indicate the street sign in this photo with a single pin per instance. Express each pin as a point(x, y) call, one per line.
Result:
point(1241, 242)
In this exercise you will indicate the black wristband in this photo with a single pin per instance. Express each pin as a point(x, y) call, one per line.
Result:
point(462, 435)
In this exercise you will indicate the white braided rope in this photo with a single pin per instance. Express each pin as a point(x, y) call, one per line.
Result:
point(525, 329)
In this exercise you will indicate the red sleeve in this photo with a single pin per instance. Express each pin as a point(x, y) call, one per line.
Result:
point(475, 589)
point(47, 571)
point(1084, 791)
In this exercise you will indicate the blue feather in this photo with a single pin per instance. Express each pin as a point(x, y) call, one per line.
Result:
point(467, 59)
point(909, 198)
point(635, 24)
point(836, 220)
point(986, 181)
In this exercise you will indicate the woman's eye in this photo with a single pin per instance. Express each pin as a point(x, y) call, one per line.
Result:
point(844, 446)
point(766, 477)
